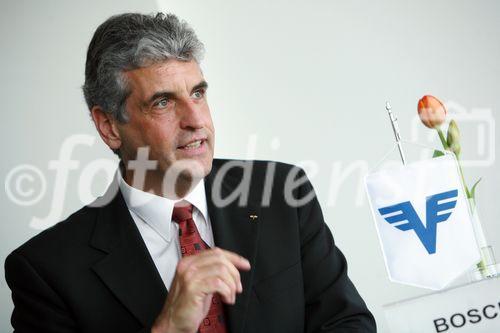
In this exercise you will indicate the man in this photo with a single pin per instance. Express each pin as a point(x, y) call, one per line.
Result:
point(180, 242)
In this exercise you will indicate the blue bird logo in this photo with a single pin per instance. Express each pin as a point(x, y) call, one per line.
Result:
point(404, 217)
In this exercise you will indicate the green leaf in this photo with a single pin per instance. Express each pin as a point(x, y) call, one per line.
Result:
point(473, 189)
point(437, 153)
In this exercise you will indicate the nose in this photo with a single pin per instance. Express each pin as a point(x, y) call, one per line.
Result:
point(191, 115)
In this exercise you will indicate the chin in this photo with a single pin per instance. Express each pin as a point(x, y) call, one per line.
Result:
point(203, 168)
point(190, 168)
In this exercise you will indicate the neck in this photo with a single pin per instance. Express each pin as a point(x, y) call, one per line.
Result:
point(153, 181)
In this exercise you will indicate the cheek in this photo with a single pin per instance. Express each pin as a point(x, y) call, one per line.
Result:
point(151, 134)
point(161, 138)
point(131, 140)
point(208, 120)
point(211, 125)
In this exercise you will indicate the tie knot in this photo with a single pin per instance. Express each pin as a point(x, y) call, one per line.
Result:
point(182, 212)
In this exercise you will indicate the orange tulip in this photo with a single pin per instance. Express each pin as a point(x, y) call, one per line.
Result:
point(431, 111)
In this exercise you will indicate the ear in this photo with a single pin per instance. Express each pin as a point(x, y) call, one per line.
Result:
point(107, 127)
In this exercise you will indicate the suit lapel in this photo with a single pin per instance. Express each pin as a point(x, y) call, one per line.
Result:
point(128, 269)
point(234, 230)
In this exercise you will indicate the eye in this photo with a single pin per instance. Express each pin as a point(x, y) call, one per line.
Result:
point(199, 94)
point(161, 103)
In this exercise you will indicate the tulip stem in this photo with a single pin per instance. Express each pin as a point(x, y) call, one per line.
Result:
point(442, 138)
point(467, 193)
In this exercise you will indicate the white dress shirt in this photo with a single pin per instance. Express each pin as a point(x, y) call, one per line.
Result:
point(153, 216)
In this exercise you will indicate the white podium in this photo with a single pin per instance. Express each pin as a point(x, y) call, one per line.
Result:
point(470, 308)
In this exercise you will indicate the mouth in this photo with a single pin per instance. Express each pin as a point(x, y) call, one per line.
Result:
point(192, 145)
point(193, 148)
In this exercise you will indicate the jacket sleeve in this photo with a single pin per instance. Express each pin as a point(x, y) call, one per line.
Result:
point(332, 302)
point(37, 308)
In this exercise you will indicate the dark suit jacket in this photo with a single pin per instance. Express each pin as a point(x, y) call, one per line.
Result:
point(93, 272)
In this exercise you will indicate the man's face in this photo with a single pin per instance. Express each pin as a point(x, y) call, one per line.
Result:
point(168, 112)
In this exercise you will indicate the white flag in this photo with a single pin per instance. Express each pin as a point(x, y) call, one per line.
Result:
point(423, 222)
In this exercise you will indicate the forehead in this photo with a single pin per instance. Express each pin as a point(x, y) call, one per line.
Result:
point(171, 75)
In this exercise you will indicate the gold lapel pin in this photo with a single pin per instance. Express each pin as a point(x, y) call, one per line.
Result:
point(253, 217)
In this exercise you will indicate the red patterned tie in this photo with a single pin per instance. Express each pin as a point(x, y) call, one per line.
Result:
point(191, 243)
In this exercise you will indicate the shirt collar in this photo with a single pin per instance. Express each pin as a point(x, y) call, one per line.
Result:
point(155, 210)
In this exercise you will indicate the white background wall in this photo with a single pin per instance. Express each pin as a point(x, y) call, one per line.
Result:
point(301, 80)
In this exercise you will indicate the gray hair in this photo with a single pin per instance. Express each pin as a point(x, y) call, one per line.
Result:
point(130, 41)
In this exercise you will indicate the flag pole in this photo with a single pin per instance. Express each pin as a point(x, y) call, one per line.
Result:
point(395, 129)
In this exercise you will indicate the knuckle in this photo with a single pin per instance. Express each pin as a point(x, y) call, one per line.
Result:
point(190, 272)
point(179, 271)
point(189, 288)
point(221, 268)
point(218, 283)
point(184, 279)
point(181, 266)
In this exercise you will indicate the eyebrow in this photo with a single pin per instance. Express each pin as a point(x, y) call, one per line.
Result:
point(202, 85)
